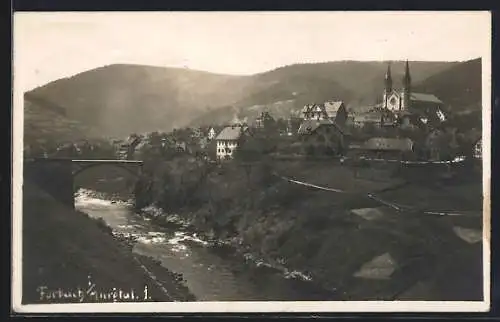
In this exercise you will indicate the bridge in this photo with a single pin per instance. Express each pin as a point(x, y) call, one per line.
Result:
point(56, 175)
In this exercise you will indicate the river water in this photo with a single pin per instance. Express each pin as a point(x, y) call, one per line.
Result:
point(210, 274)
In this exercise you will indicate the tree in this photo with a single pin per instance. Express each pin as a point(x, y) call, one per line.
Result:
point(249, 151)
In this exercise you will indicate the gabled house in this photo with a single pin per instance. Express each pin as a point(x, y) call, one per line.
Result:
point(372, 117)
point(181, 147)
point(322, 137)
point(265, 121)
point(334, 111)
point(387, 148)
point(228, 141)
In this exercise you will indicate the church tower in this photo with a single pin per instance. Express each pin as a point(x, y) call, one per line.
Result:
point(406, 87)
point(388, 85)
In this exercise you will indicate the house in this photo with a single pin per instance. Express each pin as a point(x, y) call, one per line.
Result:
point(478, 149)
point(434, 142)
point(323, 137)
point(265, 121)
point(211, 133)
point(196, 133)
point(129, 147)
point(181, 147)
point(203, 143)
point(373, 118)
point(228, 141)
point(334, 111)
point(293, 125)
point(387, 148)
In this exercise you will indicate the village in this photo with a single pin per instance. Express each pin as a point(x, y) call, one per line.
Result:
point(404, 126)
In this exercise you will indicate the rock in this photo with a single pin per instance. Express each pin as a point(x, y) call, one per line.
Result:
point(381, 267)
point(368, 213)
point(469, 235)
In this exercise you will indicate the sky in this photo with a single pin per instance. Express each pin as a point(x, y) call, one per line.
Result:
point(49, 46)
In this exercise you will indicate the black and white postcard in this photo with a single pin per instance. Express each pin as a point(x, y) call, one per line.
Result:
point(251, 161)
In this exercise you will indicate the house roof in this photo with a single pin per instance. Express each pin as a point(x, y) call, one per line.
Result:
point(373, 116)
point(358, 110)
point(307, 107)
point(332, 107)
point(264, 116)
point(389, 144)
point(296, 114)
point(230, 133)
point(425, 98)
point(309, 126)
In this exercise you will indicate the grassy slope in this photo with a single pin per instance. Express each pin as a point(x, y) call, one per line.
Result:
point(43, 124)
point(314, 231)
point(61, 247)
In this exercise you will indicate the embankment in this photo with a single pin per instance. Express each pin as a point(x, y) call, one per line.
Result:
point(63, 247)
point(387, 255)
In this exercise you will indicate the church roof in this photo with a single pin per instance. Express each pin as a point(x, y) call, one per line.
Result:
point(425, 98)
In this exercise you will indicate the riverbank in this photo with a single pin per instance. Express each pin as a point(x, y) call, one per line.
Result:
point(64, 250)
point(350, 245)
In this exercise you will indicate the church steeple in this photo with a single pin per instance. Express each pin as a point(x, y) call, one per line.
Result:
point(388, 86)
point(407, 77)
point(406, 87)
point(388, 79)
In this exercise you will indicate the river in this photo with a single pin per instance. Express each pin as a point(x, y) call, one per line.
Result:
point(210, 273)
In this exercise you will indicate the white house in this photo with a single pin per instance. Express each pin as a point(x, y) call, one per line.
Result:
point(478, 149)
point(228, 140)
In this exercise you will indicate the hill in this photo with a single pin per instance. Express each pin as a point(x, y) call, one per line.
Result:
point(48, 124)
point(287, 89)
point(459, 86)
point(120, 99)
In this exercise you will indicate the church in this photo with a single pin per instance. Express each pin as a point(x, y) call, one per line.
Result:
point(409, 107)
